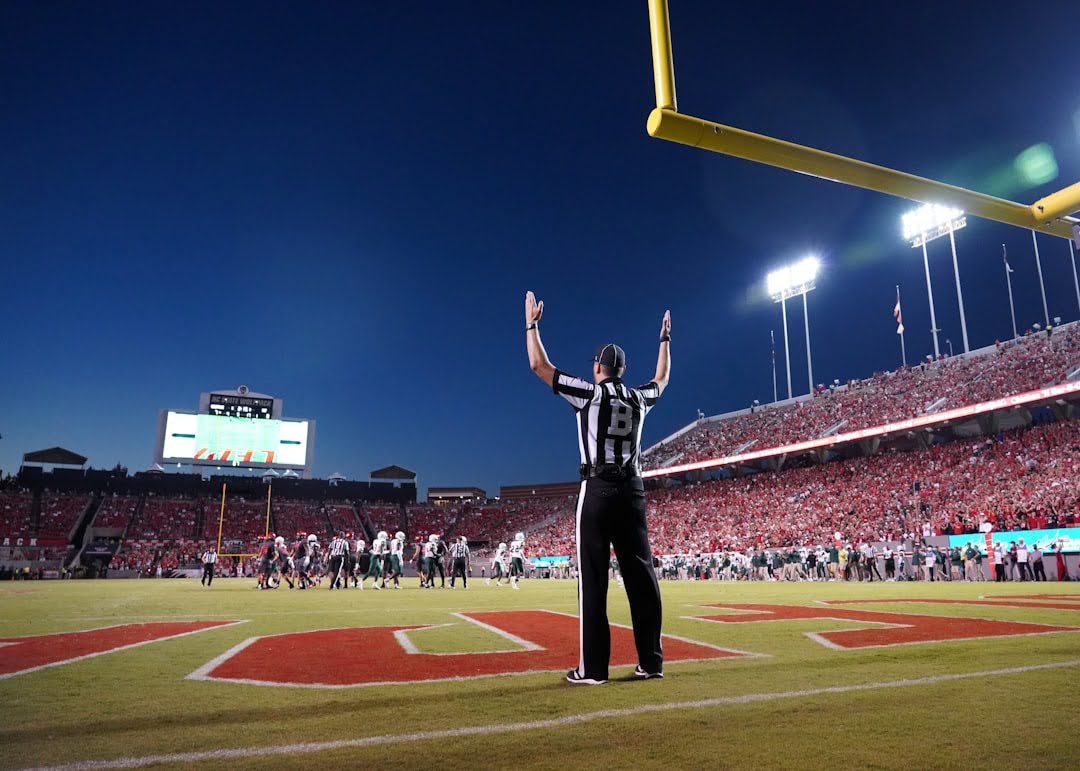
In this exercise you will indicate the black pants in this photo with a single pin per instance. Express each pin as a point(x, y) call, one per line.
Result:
point(1038, 571)
point(613, 514)
point(999, 572)
point(335, 570)
point(459, 570)
point(207, 573)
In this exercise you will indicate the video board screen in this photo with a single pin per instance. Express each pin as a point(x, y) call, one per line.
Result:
point(1068, 537)
point(219, 440)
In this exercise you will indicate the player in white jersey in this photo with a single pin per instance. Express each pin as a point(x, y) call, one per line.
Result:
point(428, 554)
point(517, 559)
point(374, 571)
point(498, 565)
point(397, 559)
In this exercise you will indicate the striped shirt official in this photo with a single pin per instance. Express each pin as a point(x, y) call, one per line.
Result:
point(610, 417)
point(338, 547)
point(459, 550)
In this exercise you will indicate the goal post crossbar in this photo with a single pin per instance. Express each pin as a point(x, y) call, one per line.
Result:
point(1047, 215)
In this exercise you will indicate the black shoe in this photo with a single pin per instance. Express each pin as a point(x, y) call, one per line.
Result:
point(641, 674)
point(573, 677)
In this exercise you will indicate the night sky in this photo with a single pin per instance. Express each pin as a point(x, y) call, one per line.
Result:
point(343, 204)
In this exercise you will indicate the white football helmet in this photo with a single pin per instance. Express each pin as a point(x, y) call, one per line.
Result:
point(464, 539)
point(280, 540)
point(399, 535)
point(312, 538)
point(433, 538)
point(382, 535)
point(519, 536)
point(360, 545)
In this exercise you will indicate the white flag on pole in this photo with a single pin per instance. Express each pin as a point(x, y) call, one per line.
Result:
point(897, 315)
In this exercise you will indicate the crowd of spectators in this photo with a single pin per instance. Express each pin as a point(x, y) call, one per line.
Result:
point(1021, 480)
point(59, 513)
point(16, 509)
point(1030, 362)
point(291, 517)
point(167, 519)
point(115, 511)
point(384, 516)
point(425, 519)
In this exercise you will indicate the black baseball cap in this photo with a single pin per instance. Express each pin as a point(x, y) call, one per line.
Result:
point(610, 355)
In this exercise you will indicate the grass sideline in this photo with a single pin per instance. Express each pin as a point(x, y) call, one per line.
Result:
point(137, 703)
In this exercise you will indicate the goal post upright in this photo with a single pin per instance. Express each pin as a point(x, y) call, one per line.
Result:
point(269, 490)
point(221, 516)
point(1047, 215)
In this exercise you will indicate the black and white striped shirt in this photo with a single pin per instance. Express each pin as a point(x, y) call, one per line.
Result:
point(459, 550)
point(610, 417)
point(338, 547)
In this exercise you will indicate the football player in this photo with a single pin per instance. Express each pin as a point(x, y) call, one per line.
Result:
point(517, 559)
point(498, 563)
point(284, 563)
point(397, 554)
point(300, 560)
point(374, 571)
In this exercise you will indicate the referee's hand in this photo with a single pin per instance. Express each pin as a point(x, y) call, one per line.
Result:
point(665, 325)
point(533, 309)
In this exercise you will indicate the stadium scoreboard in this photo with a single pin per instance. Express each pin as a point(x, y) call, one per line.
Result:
point(237, 429)
point(231, 406)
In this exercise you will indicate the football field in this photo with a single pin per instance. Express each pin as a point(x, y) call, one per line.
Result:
point(165, 673)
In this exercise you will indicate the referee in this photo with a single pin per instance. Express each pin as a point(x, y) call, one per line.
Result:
point(611, 503)
point(209, 559)
point(459, 553)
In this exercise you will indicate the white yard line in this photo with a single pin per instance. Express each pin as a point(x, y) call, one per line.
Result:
point(534, 725)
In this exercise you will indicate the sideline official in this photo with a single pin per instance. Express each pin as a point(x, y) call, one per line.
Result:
point(611, 502)
point(209, 560)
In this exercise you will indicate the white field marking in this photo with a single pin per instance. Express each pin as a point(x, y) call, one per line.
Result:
point(815, 636)
point(821, 640)
point(521, 642)
point(680, 639)
point(407, 645)
point(203, 672)
point(111, 650)
point(237, 753)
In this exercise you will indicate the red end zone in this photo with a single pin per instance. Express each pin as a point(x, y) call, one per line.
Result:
point(541, 641)
point(888, 628)
point(26, 654)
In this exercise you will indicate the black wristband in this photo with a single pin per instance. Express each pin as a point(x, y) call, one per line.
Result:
point(665, 339)
point(530, 326)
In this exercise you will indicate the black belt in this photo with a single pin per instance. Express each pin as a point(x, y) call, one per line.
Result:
point(611, 472)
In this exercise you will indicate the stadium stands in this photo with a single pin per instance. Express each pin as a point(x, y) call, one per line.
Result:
point(16, 510)
point(115, 511)
point(1031, 362)
point(167, 519)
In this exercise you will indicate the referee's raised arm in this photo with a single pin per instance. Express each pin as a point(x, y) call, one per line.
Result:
point(663, 358)
point(538, 358)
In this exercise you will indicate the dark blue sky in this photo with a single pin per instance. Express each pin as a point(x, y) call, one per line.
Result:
point(342, 204)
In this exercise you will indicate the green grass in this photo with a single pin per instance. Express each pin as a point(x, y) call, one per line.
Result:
point(137, 702)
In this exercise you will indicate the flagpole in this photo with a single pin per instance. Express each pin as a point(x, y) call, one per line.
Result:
point(903, 349)
point(1008, 279)
point(1042, 286)
point(772, 340)
point(1076, 284)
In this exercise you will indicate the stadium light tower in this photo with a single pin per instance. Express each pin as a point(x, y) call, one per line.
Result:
point(792, 281)
point(924, 225)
